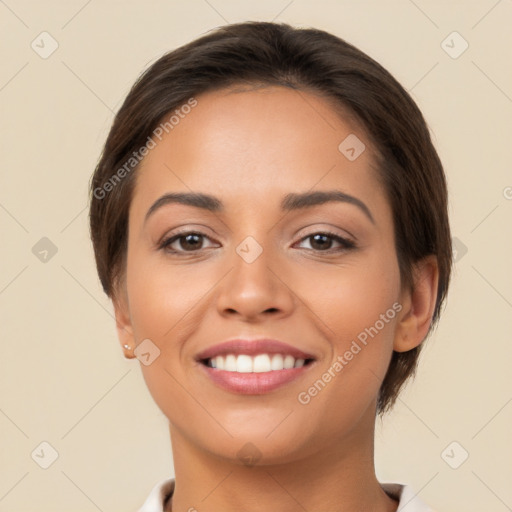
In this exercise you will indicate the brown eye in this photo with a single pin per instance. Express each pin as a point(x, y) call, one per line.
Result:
point(322, 242)
point(184, 242)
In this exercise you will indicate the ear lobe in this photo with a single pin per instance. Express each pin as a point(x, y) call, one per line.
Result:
point(123, 324)
point(418, 306)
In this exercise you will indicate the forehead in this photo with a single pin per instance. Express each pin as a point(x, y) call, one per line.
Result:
point(247, 145)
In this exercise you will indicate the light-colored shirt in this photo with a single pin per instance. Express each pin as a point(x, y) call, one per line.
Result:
point(408, 501)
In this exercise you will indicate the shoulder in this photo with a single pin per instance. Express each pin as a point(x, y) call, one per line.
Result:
point(155, 502)
point(406, 496)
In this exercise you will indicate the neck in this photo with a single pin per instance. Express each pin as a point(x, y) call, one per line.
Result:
point(339, 476)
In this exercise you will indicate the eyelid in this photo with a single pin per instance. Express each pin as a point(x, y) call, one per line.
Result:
point(184, 230)
point(315, 228)
point(172, 237)
point(345, 242)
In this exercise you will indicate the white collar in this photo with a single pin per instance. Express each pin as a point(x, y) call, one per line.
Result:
point(409, 501)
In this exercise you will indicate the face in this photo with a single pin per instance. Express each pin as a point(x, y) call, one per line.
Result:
point(320, 276)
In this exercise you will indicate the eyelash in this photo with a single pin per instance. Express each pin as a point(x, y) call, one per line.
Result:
point(347, 245)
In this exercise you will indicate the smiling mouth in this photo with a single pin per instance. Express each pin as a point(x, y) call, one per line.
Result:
point(260, 363)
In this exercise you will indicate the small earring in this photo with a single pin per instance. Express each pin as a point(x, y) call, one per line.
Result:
point(127, 347)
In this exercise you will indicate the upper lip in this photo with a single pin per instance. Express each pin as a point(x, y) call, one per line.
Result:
point(253, 347)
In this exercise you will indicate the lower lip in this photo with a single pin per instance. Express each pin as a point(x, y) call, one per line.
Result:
point(254, 383)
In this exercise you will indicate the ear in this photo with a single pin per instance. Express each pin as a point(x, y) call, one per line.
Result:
point(123, 322)
point(417, 305)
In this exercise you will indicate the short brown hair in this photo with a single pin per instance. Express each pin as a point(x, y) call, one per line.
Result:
point(277, 54)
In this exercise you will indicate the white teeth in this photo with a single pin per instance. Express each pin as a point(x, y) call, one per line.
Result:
point(230, 364)
point(260, 363)
point(219, 362)
point(289, 361)
point(277, 362)
point(244, 364)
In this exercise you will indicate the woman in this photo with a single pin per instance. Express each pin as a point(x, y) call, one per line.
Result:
point(269, 218)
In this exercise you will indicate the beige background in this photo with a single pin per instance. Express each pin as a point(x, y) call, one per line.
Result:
point(63, 379)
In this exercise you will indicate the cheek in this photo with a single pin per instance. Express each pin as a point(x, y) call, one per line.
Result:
point(361, 323)
point(350, 298)
point(162, 296)
point(165, 302)
point(357, 307)
point(160, 305)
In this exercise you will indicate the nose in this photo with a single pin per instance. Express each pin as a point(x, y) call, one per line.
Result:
point(255, 289)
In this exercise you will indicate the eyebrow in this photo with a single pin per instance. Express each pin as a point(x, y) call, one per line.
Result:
point(290, 202)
